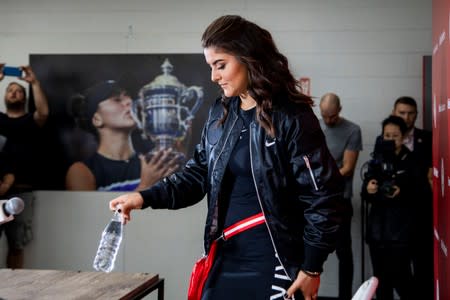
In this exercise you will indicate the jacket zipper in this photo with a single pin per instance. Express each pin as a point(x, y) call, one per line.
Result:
point(223, 147)
point(262, 209)
point(217, 159)
point(308, 165)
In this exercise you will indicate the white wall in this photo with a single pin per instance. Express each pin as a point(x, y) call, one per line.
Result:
point(367, 51)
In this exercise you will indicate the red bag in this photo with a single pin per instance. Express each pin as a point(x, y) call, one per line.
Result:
point(203, 265)
point(200, 273)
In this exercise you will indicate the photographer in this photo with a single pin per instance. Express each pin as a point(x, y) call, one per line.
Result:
point(389, 187)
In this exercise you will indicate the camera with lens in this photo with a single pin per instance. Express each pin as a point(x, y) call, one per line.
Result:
point(381, 167)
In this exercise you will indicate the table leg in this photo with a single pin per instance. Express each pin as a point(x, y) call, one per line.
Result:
point(161, 290)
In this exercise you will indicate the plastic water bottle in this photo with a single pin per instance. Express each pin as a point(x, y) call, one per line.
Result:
point(109, 244)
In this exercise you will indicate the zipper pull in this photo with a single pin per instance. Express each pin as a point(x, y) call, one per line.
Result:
point(308, 165)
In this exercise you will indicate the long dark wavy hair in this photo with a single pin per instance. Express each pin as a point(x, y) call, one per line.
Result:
point(270, 82)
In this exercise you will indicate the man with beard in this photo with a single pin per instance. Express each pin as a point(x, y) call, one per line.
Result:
point(21, 130)
point(419, 142)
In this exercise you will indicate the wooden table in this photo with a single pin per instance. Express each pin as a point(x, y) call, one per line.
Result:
point(54, 284)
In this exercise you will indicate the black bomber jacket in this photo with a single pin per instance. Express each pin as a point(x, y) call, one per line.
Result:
point(298, 184)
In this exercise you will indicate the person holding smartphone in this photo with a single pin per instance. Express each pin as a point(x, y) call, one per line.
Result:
point(21, 129)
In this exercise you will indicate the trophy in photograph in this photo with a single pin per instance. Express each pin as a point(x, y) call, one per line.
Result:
point(165, 109)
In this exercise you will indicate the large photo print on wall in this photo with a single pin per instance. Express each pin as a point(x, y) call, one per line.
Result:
point(113, 117)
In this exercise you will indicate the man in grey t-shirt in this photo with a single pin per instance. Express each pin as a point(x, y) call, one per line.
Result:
point(344, 142)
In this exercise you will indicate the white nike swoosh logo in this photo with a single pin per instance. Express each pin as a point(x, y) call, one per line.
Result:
point(268, 144)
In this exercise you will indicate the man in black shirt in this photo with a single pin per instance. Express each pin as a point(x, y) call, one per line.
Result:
point(21, 130)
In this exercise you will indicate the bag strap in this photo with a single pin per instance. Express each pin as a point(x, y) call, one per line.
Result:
point(243, 225)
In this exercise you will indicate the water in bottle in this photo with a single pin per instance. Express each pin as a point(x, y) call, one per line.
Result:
point(109, 244)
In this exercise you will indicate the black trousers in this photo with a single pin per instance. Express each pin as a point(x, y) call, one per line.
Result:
point(422, 260)
point(392, 266)
point(344, 254)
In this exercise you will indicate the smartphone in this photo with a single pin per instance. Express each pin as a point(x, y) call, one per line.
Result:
point(12, 71)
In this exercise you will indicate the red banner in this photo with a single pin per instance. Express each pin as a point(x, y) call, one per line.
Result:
point(441, 146)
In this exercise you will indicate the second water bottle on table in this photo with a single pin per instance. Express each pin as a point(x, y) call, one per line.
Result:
point(109, 244)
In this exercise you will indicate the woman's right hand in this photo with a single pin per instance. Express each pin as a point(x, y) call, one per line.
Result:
point(126, 203)
point(372, 186)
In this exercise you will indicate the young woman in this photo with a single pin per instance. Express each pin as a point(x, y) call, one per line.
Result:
point(105, 109)
point(262, 153)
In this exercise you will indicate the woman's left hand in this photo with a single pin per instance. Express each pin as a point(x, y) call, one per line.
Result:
point(308, 285)
point(159, 166)
point(395, 193)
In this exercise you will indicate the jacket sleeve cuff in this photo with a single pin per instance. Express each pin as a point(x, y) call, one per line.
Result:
point(146, 195)
point(314, 259)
